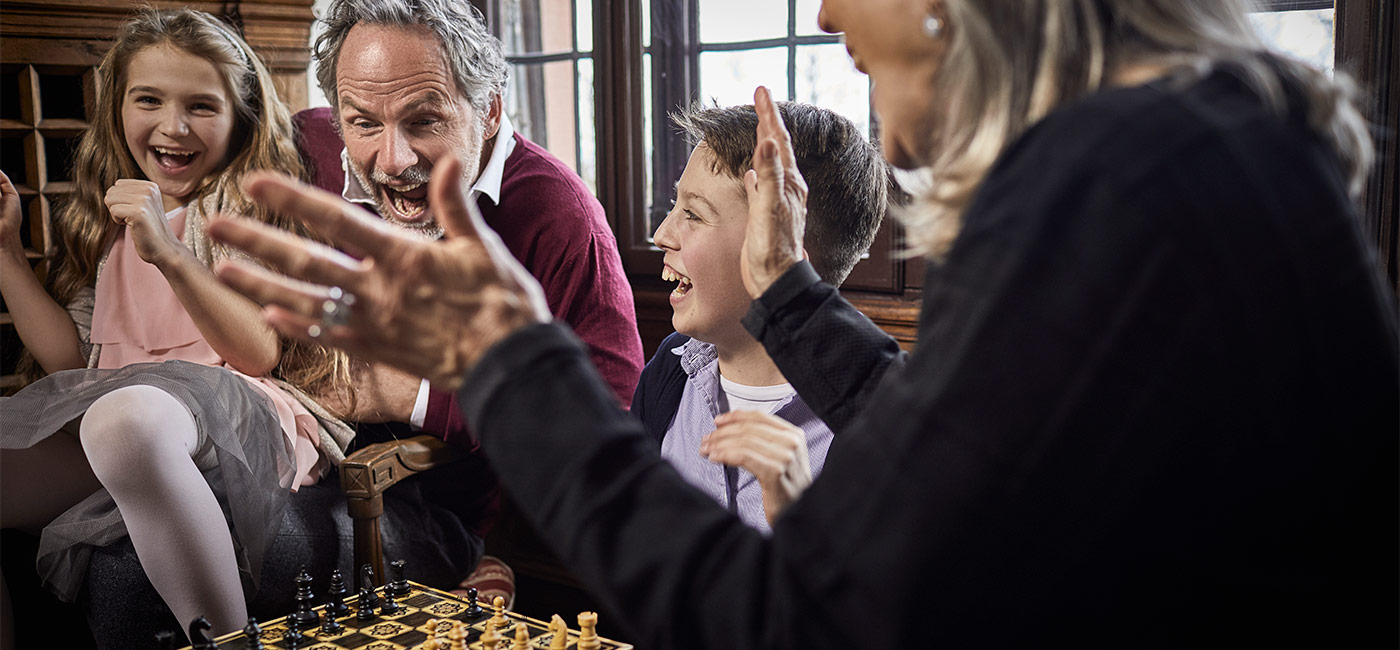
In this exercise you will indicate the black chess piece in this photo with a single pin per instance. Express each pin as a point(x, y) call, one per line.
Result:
point(474, 609)
point(399, 585)
point(364, 608)
point(199, 634)
point(305, 617)
point(252, 633)
point(293, 638)
point(330, 626)
point(337, 604)
point(367, 582)
point(165, 640)
point(390, 607)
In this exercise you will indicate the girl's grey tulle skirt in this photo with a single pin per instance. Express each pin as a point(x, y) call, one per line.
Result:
point(242, 453)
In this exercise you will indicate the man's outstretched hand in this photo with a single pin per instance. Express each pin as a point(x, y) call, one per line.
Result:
point(429, 308)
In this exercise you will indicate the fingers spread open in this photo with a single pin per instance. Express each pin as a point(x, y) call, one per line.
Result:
point(299, 258)
point(326, 213)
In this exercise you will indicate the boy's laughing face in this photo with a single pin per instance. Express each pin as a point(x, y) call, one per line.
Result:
point(703, 236)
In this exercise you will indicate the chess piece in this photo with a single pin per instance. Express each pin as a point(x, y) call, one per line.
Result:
point(399, 585)
point(252, 633)
point(364, 605)
point(522, 638)
point(330, 626)
point(474, 610)
point(337, 604)
point(199, 634)
point(305, 617)
point(489, 638)
point(293, 638)
point(559, 633)
point(367, 582)
point(390, 607)
point(498, 617)
point(165, 640)
point(588, 631)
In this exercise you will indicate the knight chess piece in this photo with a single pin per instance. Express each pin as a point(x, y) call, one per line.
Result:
point(558, 633)
point(199, 634)
point(367, 582)
point(338, 593)
point(399, 585)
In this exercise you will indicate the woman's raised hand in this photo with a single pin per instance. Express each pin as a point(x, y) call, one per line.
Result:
point(138, 205)
point(11, 219)
point(770, 448)
point(777, 202)
point(429, 308)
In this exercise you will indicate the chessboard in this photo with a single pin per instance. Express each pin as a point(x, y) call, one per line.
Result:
point(421, 613)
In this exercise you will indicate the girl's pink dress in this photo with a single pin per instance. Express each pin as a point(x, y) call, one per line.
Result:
point(256, 443)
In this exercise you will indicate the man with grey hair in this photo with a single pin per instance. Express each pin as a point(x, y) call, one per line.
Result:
point(410, 84)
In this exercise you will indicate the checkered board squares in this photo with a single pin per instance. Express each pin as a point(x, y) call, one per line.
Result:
point(408, 628)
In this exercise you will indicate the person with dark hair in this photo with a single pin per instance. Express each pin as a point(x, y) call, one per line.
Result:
point(767, 444)
point(1154, 402)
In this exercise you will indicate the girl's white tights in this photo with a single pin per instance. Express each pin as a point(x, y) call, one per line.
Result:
point(138, 443)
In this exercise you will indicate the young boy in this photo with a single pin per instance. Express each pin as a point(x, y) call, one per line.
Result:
point(767, 451)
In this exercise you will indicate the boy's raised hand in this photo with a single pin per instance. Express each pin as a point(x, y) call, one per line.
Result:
point(767, 446)
point(777, 197)
point(429, 308)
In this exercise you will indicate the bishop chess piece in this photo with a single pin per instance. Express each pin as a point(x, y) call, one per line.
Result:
point(398, 586)
point(199, 634)
point(337, 605)
point(588, 631)
point(490, 638)
point(252, 633)
point(474, 609)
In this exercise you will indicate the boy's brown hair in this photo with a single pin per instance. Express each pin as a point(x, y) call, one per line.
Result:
point(848, 181)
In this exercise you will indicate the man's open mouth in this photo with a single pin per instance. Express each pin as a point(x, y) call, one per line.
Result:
point(173, 161)
point(409, 201)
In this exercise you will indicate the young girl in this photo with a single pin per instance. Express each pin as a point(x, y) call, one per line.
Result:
point(157, 419)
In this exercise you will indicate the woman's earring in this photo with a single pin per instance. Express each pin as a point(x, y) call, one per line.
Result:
point(933, 26)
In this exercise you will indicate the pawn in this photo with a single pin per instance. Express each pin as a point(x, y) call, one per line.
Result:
point(522, 638)
point(559, 633)
point(390, 607)
point(338, 593)
point(474, 610)
point(252, 633)
point(364, 606)
point(489, 638)
point(498, 618)
point(588, 631)
point(330, 626)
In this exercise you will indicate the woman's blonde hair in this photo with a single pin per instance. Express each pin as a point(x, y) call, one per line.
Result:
point(1010, 62)
point(262, 139)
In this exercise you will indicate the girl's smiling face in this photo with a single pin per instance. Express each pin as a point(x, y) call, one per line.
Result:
point(177, 119)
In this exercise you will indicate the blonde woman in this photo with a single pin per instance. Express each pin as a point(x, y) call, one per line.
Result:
point(159, 417)
point(1154, 400)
